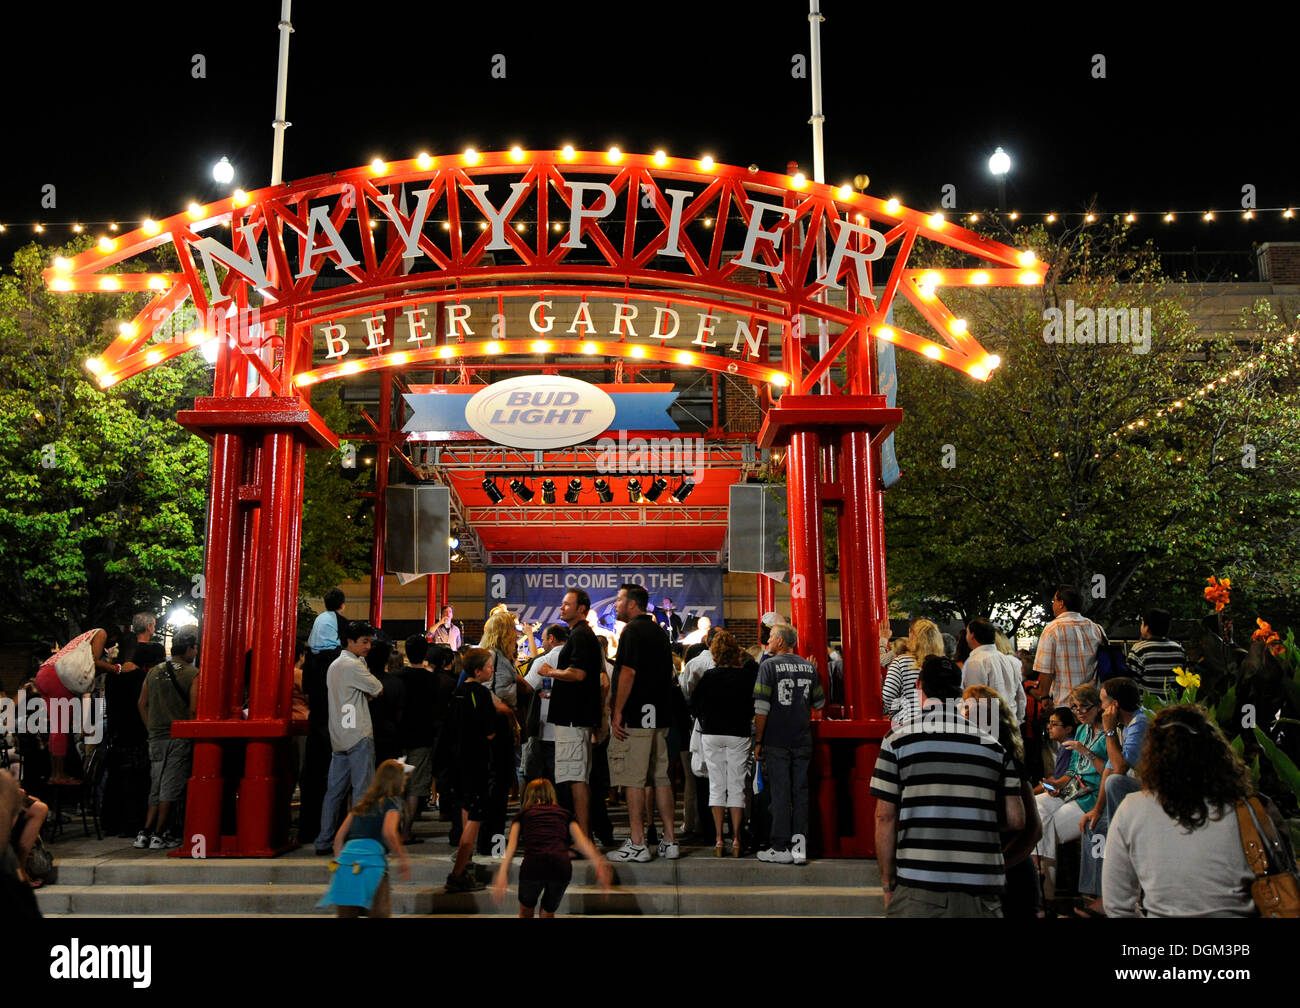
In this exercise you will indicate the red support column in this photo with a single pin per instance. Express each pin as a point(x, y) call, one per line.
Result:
point(381, 495)
point(221, 580)
point(807, 578)
point(444, 591)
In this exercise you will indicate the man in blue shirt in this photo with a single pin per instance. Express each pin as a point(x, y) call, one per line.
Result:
point(1125, 723)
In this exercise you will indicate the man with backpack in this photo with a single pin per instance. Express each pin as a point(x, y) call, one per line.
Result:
point(167, 695)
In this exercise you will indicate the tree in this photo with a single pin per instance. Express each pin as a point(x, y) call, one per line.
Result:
point(336, 528)
point(1095, 464)
point(101, 492)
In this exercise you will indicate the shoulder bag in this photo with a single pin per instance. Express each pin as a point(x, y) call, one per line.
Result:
point(1276, 889)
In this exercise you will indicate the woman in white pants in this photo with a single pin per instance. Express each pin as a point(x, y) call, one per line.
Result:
point(1060, 815)
point(723, 700)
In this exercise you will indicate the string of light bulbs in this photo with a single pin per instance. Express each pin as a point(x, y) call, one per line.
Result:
point(1208, 389)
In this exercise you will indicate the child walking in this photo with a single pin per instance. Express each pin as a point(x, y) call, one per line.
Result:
point(361, 845)
point(547, 829)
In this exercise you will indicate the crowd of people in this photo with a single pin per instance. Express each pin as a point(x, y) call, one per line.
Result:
point(971, 822)
point(1009, 780)
point(582, 723)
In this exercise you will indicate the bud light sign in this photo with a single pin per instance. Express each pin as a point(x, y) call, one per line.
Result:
point(540, 411)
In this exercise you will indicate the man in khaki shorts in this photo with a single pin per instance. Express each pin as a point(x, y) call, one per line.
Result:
point(575, 702)
point(638, 746)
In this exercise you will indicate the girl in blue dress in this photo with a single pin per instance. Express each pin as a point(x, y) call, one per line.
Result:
point(359, 886)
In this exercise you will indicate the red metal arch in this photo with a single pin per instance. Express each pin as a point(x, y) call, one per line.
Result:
point(631, 260)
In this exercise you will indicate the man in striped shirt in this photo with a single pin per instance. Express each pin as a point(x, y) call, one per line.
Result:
point(1067, 650)
point(1152, 660)
point(943, 792)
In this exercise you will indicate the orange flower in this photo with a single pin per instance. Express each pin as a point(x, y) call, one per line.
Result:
point(1218, 592)
point(1278, 648)
point(1264, 633)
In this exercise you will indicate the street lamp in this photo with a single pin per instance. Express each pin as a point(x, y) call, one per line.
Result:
point(223, 172)
point(999, 165)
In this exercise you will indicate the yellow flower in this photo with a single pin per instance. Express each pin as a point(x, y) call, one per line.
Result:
point(1186, 678)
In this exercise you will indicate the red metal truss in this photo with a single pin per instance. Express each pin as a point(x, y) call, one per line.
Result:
point(279, 237)
point(604, 558)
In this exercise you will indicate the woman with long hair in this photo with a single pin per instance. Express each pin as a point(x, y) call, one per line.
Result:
point(723, 700)
point(1020, 896)
point(1174, 848)
point(899, 693)
point(370, 833)
point(547, 829)
point(1060, 809)
point(501, 638)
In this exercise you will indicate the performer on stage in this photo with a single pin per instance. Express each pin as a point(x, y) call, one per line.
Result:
point(669, 620)
point(445, 632)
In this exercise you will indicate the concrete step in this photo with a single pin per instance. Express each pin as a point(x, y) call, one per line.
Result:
point(411, 899)
point(696, 867)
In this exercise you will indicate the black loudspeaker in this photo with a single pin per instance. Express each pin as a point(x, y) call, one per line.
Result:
point(416, 527)
point(756, 519)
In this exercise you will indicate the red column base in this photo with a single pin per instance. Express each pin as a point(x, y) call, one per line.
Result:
point(843, 812)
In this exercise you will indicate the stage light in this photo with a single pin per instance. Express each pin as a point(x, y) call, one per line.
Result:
point(493, 491)
point(548, 491)
point(634, 491)
point(521, 490)
point(656, 488)
point(683, 491)
point(453, 543)
point(455, 558)
point(571, 494)
point(603, 491)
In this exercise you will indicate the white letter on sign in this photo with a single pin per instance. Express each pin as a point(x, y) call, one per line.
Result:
point(860, 259)
point(334, 339)
point(746, 257)
point(533, 320)
point(375, 332)
point(577, 192)
point(251, 267)
point(320, 218)
point(679, 196)
point(497, 218)
point(410, 238)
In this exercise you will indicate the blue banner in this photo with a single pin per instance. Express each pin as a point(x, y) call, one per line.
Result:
point(534, 593)
point(887, 371)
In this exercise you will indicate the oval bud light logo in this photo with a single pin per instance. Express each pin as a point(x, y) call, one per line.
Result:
point(540, 411)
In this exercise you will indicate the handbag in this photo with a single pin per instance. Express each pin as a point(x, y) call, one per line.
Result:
point(40, 862)
point(1074, 790)
point(76, 666)
point(1276, 889)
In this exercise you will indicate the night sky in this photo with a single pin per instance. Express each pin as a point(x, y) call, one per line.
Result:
point(100, 101)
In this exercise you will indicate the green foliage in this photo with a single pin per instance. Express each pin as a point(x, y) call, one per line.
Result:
point(1283, 765)
point(1074, 464)
point(336, 523)
point(102, 494)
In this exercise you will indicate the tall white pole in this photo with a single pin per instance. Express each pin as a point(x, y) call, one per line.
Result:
point(281, 86)
point(819, 165)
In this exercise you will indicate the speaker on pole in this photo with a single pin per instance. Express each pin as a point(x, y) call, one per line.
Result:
point(416, 529)
point(756, 521)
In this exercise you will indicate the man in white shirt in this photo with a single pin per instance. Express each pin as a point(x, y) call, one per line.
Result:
point(987, 666)
point(696, 667)
point(539, 752)
point(349, 685)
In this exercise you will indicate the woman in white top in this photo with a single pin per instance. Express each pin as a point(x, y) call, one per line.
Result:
point(1174, 848)
point(899, 692)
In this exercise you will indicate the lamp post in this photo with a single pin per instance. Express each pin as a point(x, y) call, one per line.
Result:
point(999, 165)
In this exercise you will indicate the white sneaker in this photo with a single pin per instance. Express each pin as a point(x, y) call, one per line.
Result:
point(630, 852)
point(669, 849)
point(141, 840)
point(775, 856)
point(798, 857)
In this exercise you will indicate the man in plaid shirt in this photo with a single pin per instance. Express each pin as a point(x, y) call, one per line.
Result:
point(1067, 650)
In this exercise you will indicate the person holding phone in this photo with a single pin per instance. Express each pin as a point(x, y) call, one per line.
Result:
point(1061, 812)
point(1061, 725)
